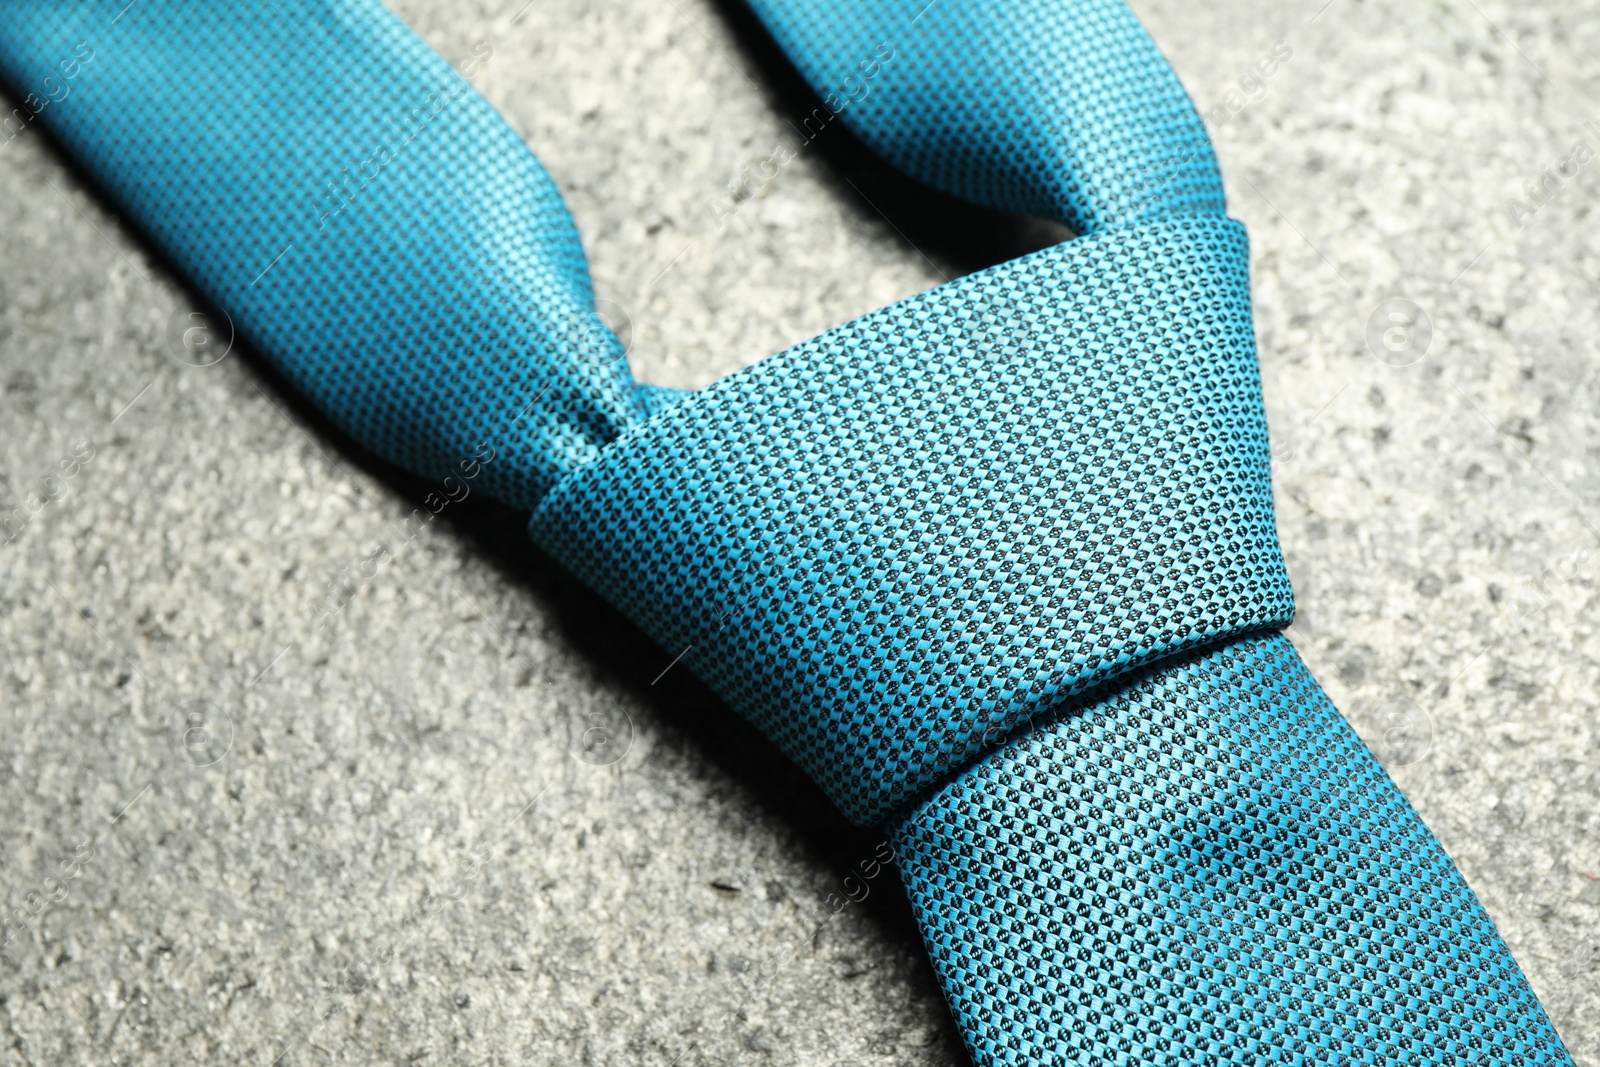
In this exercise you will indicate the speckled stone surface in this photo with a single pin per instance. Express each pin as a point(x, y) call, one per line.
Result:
point(281, 784)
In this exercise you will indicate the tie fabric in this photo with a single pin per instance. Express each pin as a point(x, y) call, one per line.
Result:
point(996, 564)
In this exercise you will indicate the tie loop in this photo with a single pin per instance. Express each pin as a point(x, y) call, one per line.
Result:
point(1066, 111)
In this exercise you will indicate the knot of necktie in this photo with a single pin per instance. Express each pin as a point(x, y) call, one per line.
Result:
point(892, 544)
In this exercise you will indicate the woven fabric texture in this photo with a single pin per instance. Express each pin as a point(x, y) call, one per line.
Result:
point(1063, 110)
point(368, 222)
point(891, 544)
point(1206, 866)
point(1032, 503)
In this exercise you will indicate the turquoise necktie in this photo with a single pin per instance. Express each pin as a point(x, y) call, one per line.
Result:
point(995, 564)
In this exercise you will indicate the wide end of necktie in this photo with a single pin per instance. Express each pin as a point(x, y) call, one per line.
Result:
point(1205, 864)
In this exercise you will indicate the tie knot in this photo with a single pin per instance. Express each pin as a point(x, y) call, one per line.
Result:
point(893, 544)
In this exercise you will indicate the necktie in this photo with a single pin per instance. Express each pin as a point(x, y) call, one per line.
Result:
point(995, 564)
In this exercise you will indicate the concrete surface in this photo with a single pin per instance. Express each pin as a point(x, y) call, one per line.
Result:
point(454, 822)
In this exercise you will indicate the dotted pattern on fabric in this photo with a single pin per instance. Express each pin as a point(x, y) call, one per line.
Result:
point(890, 544)
point(1207, 866)
point(1065, 110)
point(893, 545)
point(367, 220)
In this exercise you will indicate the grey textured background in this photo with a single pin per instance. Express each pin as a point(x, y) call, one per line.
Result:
point(455, 823)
